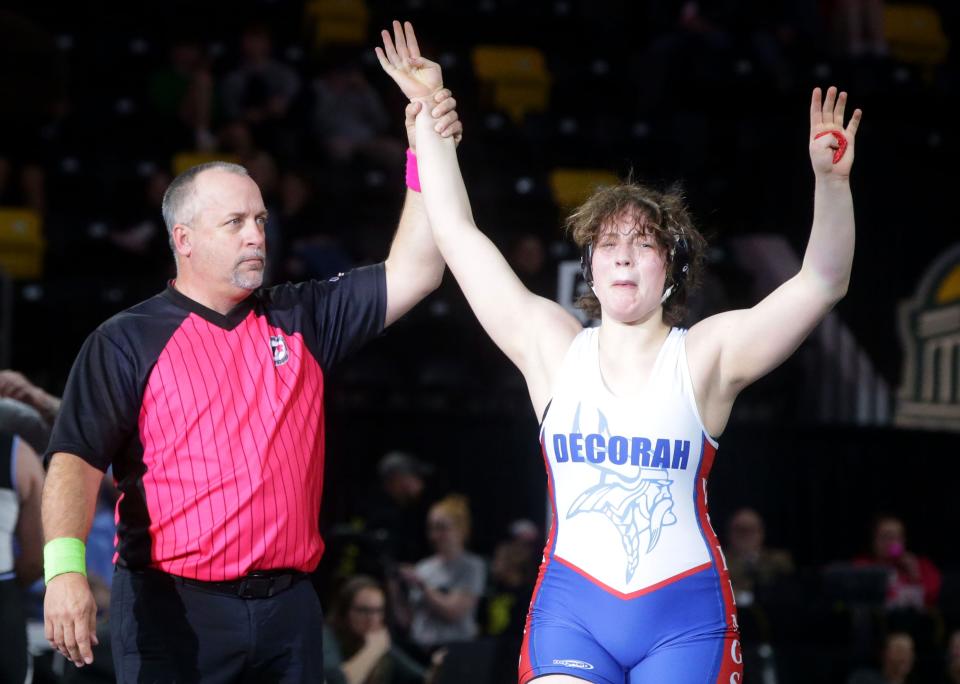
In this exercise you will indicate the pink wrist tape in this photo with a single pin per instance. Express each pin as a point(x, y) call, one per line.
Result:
point(413, 176)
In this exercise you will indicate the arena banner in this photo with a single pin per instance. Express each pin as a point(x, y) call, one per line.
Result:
point(929, 395)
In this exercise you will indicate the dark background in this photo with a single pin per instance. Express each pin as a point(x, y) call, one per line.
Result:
point(729, 121)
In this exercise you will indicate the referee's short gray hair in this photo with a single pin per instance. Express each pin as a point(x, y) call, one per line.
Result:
point(178, 198)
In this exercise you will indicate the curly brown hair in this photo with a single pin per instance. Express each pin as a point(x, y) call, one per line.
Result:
point(664, 214)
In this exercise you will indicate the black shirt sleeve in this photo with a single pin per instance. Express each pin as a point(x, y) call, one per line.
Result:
point(98, 414)
point(349, 310)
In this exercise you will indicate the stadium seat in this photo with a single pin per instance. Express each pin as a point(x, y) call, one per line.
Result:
point(516, 78)
point(338, 22)
point(21, 243)
point(570, 187)
point(185, 160)
point(915, 34)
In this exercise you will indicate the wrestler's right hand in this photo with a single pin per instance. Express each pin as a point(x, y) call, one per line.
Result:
point(70, 617)
point(400, 57)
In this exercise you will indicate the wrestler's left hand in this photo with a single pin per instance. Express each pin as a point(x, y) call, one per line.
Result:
point(826, 117)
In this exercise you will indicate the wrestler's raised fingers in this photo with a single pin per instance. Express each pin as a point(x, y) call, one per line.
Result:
point(854, 123)
point(838, 109)
point(400, 40)
point(816, 110)
point(828, 104)
point(389, 48)
point(411, 37)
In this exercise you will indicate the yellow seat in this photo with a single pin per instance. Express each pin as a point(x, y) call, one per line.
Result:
point(570, 187)
point(515, 78)
point(22, 244)
point(520, 99)
point(504, 62)
point(338, 22)
point(915, 34)
point(186, 160)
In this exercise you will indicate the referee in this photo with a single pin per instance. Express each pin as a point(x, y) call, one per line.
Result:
point(208, 401)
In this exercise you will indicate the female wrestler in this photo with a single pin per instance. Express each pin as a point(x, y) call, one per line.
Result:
point(633, 586)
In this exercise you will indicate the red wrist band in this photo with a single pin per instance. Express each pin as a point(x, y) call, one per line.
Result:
point(841, 140)
point(413, 176)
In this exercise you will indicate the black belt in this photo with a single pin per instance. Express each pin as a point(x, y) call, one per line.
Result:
point(256, 585)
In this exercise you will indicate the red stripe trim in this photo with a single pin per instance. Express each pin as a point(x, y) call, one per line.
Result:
point(731, 660)
point(639, 592)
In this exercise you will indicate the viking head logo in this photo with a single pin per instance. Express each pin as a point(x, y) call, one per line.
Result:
point(639, 508)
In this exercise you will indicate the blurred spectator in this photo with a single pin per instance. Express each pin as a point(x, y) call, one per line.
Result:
point(858, 27)
point(896, 662)
point(14, 385)
point(23, 420)
point(952, 675)
point(21, 548)
point(526, 532)
point(263, 169)
point(513, 573)
point(386, 528)
point(235, 139)
point(528, 257)
point(309, 252)
point(22, 184)
point(40, 409)
point(261, 88)
point(357, 648)
point(300, 210)
point(261, 91)
point(401, 506)
point(182, 92)
point(752, 565)
point(914, 580)
point(701, 42)
point(349, 116)
point(443, 590)
point(141, 238)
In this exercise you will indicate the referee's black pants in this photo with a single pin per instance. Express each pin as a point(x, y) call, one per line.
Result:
point(166, 630)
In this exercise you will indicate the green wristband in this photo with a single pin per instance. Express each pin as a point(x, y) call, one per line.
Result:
point(63, 555)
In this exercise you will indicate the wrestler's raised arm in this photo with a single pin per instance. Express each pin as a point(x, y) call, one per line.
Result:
point(532, 331)
point(731, 350)
point(414, 267)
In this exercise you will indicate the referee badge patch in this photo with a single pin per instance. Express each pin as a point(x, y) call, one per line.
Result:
point(279, 348)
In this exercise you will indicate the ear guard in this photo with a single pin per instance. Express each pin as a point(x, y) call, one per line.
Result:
point(679, 265)
point(586, 264)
